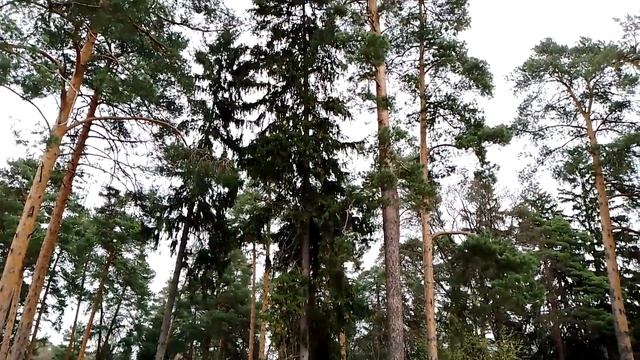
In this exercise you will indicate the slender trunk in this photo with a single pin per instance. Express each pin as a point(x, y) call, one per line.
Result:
point(425, 213)
point(305, 249)
point(206, 348)
point(556, 332)
point(343, 346)
point(13, 312)
point(43, 308)
point(173, 290)
point(266, 280)
point(96, 303)
point(390, 205)
point(615, 290)
point(552, 298)
point(21, 345)
point(31, 210)
point(252, 321)
point(100, 323)
point(101, 352)
point(75, 319)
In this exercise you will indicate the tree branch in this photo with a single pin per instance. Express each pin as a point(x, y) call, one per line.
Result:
point(131, 118)
point(46, 122)
point(627, 230)
point(453, 232)
point(46, 55)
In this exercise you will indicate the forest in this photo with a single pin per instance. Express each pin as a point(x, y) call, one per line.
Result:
point(240, 141)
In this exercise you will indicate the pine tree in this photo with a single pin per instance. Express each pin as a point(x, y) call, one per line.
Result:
point(575, 94)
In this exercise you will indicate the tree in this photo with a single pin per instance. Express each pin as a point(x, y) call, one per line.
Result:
point(377, 45)
point(631, 39)
point(298, 153)
point(209, 186)
point(427, 34)
point(575, 93)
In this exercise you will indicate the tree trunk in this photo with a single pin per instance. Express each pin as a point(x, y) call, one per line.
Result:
point(101, 352)
point(343, 346)
point(173, 290)
point(13, 312)
point(96, 303)
point(43, 307)
point(69, 351)
point(21, 345)
point(31, 210)
point(252, 321)
point(266, 280)
point(75, 319)
point(556, 332)
point(305, 249)
point(390, 205)
point(552, 298)
point(425, 213)
point(100, 323)
point(615, 290)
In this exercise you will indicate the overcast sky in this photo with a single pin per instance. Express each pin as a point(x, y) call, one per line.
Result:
point(502, 33)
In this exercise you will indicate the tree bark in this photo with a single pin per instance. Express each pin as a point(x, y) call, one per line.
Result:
point(266, 281)
point(48, 160)
point(13, 312)
point(621, 324)
point(43, 307)
point(425, 213)
point(21, 345)
point(390, 205)
point(343, 345)
point(96, 303)
point(305, 249)
point(252, 320)
point(173, 289)
point(75, 319)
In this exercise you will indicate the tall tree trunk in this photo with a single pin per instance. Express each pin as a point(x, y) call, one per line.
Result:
point(305, 249)
point(252, 320)
point(101, 352)
point(74, 326)
point(266, 281)
point(13, 312)
point(173, 290)
point(96, 303)
point(615, 290)
point(21, 345)
point(43, 308)
point(425, 213)
point(390, 204)
point(31, 210)
point(343, 345)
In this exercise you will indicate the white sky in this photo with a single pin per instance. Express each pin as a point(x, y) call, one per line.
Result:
point(502, 33)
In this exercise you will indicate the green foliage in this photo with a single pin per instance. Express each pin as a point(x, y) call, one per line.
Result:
point(476, 347)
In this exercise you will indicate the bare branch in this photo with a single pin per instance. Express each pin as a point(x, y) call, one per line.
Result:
point(453, 232)
point(626, 230)
point(46, 122)
point(9, 46)
point(132, 118)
